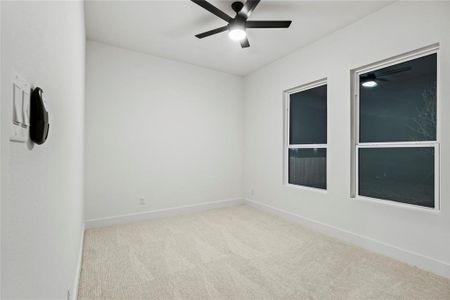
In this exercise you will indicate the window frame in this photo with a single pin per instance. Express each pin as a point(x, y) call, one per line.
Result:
point(286, 145)
point(356, 144)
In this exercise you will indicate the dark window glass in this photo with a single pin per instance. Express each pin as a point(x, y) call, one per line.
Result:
point(402, 104)
point(308, 116)
point(399, 174)
point(308, 167)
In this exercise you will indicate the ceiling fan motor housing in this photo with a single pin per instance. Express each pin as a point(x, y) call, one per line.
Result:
point(237, 24)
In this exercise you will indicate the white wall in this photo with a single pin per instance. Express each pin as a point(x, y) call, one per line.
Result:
point(166, 131)
point(396, 29)
point(1, 148)
point(42, 186)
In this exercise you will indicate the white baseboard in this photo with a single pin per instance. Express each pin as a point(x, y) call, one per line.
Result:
point(76, 284)
point(147, 215)
point(409, 257)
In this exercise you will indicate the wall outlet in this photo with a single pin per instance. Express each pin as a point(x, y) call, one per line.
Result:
point(68, 295)
point(142, 201)
point(252, 193)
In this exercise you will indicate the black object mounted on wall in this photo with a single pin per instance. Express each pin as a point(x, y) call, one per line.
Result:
point(39, 125)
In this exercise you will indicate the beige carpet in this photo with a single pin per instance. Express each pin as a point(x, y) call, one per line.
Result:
point(240, 253)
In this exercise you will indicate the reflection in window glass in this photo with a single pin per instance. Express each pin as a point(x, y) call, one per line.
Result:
point(308, 167)
point(308, 116)
point(404, 174)
point(398, 103)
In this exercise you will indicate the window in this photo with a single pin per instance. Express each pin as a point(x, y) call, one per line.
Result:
point(306, 140)
point(396, 143)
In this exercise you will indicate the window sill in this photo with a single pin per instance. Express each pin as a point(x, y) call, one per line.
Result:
point(390, 203)
point(305, 188)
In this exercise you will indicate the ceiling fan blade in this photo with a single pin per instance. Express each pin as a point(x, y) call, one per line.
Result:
point(245, 43)
point(248, 8)
point(268, 24)
point(394, 71)
point(212, 9)
point(211, 32)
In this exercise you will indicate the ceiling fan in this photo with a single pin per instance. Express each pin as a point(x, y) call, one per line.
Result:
point(371, 79)
point(238, 25)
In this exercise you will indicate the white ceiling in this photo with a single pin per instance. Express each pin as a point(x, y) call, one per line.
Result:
point(167, 29)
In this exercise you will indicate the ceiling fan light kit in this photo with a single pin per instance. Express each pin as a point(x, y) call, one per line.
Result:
point(369, 84)
point(238, 25)
point(237, 34)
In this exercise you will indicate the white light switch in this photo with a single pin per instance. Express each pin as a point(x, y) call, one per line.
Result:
point(17, 104)
point(26, 108)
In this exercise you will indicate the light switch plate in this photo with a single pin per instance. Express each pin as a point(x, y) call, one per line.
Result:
point(20, 119)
